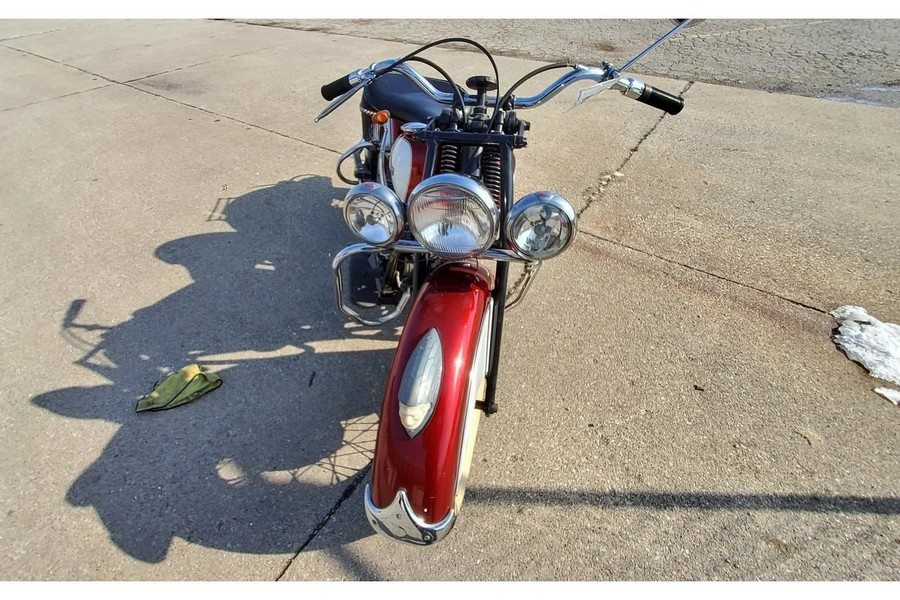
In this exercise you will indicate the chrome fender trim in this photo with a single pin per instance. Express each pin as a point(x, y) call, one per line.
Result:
point(398, 521)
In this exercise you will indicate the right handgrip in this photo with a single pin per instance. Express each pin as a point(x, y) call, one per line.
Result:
point(661, 100)
point(332, 90)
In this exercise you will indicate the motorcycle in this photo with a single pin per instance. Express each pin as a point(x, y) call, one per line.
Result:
point(432, 201)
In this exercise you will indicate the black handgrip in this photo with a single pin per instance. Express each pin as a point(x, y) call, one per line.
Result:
point(661, 100)
point(332, 90)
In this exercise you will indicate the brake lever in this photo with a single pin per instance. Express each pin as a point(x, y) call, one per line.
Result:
point(589, 92)
point(334, 104)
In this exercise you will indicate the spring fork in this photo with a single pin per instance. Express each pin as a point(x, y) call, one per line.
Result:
point(449, 162)
point(491, 171)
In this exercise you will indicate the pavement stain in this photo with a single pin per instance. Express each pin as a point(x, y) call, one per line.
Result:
point(783, 548)
point(811, 437)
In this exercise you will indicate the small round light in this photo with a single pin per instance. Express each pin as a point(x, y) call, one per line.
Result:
point(374, 213)
point(541, 225)
point(453, 215)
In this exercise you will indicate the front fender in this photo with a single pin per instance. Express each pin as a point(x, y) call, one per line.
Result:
point(422, 474)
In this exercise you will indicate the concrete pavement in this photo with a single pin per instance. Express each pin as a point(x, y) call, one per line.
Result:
point(671, 404)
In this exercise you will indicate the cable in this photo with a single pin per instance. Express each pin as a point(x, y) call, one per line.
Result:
point(456, 89)
point(534, 73)
point(447, 41)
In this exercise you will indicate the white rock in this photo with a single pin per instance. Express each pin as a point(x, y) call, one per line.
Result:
point(868, 341)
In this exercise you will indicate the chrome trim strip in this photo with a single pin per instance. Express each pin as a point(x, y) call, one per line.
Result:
point(384, 154)
point(398, 521)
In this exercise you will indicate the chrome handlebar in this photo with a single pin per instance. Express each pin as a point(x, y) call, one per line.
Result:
point(580, 73)
point(364, 77)
point(606, 77)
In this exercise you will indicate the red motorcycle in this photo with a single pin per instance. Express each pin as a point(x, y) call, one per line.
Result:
point(432, 200)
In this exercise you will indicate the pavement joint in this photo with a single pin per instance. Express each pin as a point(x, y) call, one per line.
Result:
point(354, 483)
point(142, 90)
point(598, 191)
point(705, 272)
point(202, 62)
point(33, 33)
point(99, 87)
point(230, 118)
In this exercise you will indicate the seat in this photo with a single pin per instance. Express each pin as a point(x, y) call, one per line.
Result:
point(396, 93)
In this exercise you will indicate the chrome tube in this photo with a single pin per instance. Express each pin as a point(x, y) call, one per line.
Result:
point(339, 287)
point(682, 24)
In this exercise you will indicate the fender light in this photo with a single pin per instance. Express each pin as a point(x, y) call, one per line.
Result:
point(421, 383)
point(541, 225)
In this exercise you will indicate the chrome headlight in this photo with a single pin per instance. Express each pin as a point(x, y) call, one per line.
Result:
point(453, 215)
point(541, 225)
point(374, 213)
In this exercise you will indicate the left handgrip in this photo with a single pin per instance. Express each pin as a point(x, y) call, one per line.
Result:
point(339, 86)
point(662, 100)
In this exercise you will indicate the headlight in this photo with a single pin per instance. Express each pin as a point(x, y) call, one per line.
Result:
point(541, 225)
point(374, 213)
point(453, 215)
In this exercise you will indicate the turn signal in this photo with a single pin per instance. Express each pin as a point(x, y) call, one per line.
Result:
point(381, 117)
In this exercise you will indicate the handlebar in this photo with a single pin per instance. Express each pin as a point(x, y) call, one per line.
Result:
point(340, 90)
point(606, 77)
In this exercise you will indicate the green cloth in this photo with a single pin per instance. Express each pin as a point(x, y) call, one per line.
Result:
point(179, 388)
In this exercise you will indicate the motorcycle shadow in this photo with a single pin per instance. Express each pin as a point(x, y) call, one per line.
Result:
point(255, 465)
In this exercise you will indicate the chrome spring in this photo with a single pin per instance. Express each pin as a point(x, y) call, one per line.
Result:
point(449, 158)
point(491, 170)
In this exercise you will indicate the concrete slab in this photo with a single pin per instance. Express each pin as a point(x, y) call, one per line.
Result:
point(680, 425)
point(140, 236)
point(677, 427)
point(25, 79)
point(128, 50)
point(793, 195)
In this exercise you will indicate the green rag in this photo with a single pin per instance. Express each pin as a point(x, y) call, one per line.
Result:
point(179, 388)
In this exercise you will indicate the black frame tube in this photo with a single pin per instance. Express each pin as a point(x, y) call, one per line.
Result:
point(500, 284)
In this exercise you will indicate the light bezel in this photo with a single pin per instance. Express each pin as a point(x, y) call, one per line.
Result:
point(468, 185)
point(537, 198)
point(384, 195)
